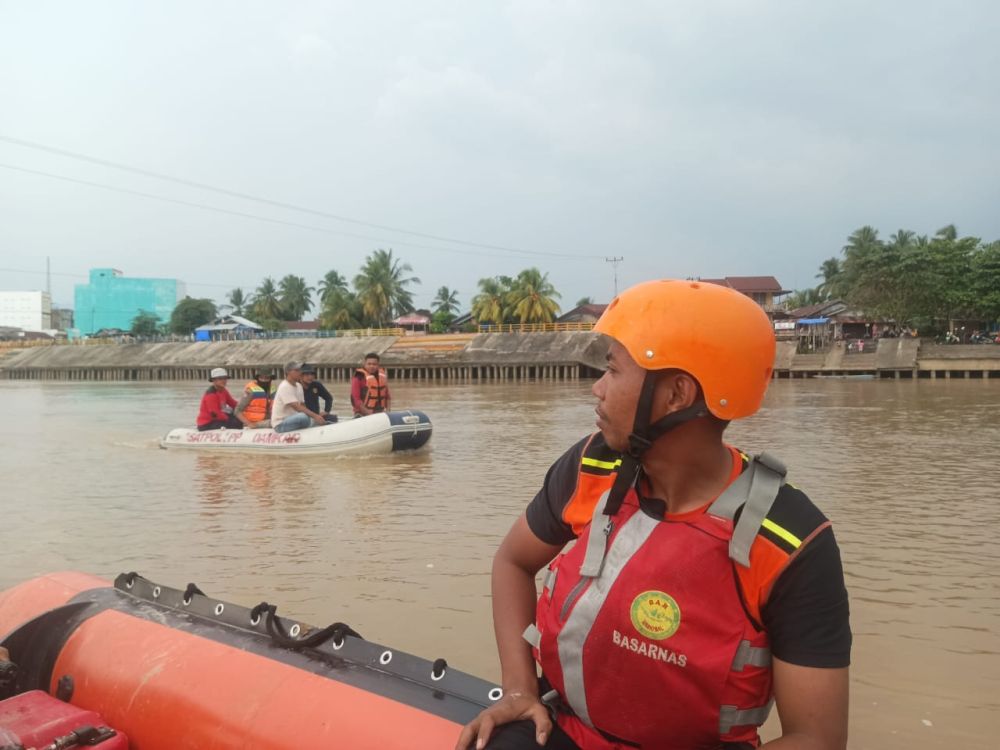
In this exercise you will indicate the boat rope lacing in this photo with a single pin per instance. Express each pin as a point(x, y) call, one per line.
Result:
point(335, 632)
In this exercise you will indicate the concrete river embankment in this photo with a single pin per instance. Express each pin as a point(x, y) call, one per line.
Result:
point(461, 357)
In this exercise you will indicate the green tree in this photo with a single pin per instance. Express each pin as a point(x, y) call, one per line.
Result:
point(584, 301)
point(830, 273)
point(440, 321)
point(986, 280)
point(381, 287)
point(804, 298)
point(332, 283)
point(191, 313)
point(489, 306)
point(266, 303)
point(238, 301)
point(446, 301)
point(146, 324)
point(295, 296)
point(532, 298)
point(340, 310)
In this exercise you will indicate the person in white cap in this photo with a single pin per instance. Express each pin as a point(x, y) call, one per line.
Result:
point(217, 404)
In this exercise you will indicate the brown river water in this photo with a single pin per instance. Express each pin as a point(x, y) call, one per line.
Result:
point(400, 547)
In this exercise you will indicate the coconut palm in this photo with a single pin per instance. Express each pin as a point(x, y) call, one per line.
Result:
point(948, 233)
point(446, 301)
point(266, 304)
point(902, 239)
point(295, 296)
point(532, 299)
point(829, 272)
point(489, 306)
point(331, 284)
point(340, 310)
point(381, 287)
point(238, 301)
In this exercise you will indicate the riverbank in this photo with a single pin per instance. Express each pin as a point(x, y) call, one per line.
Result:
point(461, 358)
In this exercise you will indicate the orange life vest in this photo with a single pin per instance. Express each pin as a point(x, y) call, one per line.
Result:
point(259, 407)
point(376, 390)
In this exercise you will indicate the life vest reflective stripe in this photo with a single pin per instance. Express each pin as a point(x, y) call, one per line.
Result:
point(259, 407)
point(376, 389)
point(640, 609)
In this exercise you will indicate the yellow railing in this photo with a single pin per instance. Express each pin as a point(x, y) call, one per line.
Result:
point(534, 327)
point(372, 332)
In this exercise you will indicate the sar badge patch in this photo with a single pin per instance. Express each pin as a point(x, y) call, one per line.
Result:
point(656, 615)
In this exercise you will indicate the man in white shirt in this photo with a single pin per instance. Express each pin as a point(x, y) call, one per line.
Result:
point(288, 412)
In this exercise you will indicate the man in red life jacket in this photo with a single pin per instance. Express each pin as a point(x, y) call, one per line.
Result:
point(701, 587)
point(217, 404)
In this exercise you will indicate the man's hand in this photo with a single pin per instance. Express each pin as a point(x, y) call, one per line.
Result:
point(514, 706)
point(318, 419)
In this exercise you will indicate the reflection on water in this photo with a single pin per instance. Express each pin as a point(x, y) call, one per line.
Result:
point(400, 546)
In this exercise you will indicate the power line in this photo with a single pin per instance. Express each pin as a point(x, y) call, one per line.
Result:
point(271, 202)
point(266, 219)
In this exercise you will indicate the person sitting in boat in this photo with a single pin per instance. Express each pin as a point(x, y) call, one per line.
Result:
point(289, 412)
point(316, 391)
point(216, 412)
point(370, 388)
point(254, 409)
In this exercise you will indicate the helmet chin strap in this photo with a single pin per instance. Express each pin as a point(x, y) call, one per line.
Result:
point(642, 437)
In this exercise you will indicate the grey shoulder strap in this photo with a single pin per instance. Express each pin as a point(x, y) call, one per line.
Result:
point(754, 490)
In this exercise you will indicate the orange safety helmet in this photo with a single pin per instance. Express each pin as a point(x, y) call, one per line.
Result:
point(722, 338)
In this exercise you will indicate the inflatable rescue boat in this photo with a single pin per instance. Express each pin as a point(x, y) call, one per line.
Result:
point(144, 665)
point(376, 433)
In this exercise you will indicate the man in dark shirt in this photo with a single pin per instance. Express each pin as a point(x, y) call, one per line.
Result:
point(315, 391)
point(701, 585)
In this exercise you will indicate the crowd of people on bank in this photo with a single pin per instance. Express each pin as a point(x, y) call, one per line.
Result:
point(293, 403)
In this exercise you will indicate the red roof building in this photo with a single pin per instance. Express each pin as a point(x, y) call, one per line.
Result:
point(761, 289)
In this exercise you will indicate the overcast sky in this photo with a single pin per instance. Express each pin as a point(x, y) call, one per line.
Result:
point(693, 138)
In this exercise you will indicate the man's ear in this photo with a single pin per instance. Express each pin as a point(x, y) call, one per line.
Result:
point(675, 390)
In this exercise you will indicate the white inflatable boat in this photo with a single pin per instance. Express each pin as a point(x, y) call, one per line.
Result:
point(378, 433)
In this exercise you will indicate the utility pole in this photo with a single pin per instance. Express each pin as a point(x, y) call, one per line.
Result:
point(614, 261)
point(48, 277)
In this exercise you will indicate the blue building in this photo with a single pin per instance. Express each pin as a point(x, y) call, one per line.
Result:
point(112, 300)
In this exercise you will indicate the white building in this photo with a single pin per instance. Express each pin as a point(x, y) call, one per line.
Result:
point(30, 311)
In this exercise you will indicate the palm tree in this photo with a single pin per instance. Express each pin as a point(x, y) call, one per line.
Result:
point(238, 301)
point(331, 284)
point(266, 305)
point(446, 301)
point(381, 287)
point(948, 233)
point(861, 241)
point(828, 272)
point(532, 298)
point(489, 305)
point(902, 239)
point(295, 297)
point(340, 310)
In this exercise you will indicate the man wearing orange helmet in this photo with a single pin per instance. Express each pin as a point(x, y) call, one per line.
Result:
point(702, 587)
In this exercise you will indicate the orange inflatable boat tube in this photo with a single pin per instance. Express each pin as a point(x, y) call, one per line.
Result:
point(178, 669)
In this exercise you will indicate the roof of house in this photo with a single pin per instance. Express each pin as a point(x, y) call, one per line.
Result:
point(592, 310)
point(749, 284)
point(229, 323)
point(302, 325)
point(412, 319)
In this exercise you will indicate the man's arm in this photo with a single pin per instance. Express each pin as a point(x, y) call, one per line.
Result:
point(356, 400)
point(327, 398)
point(812, 706)
point(388, 399)
point(241, 407)
point(303, 409)
point(520, 556)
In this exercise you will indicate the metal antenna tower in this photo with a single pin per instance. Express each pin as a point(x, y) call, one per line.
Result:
point(614, 261)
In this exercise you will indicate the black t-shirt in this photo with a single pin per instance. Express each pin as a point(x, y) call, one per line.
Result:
point(806, 616)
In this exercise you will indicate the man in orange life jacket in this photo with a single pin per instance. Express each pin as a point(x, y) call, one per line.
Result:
point(370, 388)
point(702, 586)
point(254, 409)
